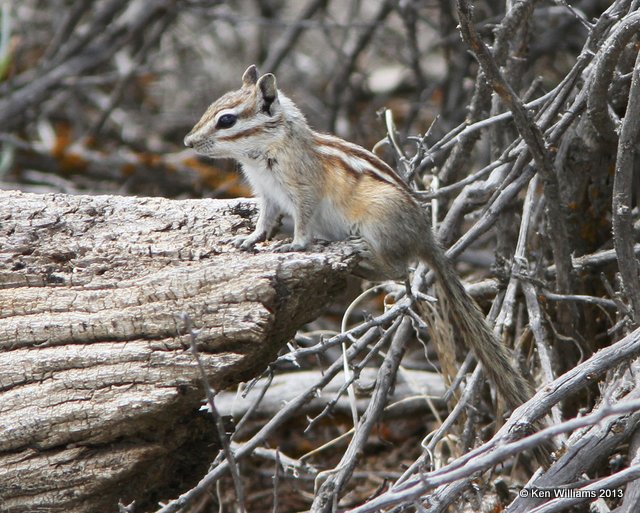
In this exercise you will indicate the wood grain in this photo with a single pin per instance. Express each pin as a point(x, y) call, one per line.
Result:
point(99, 395)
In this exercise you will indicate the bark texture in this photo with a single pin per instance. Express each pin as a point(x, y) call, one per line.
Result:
point(99, 394)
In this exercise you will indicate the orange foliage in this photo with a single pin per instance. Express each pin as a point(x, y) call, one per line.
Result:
point(149, 159)
point(128, 169)
point(217, 179)
point(69, 161)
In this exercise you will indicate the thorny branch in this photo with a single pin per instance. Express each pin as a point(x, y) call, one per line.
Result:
point(628, 158)
point(534, 139)
point(481, 462)
point(328, 494)
point(210, 394)
point(598, 104)
point(499, 448)
point(274, 423)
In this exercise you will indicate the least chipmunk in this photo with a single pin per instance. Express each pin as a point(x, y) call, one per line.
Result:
point(334, 189)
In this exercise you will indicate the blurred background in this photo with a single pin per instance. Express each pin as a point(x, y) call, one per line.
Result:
point(96, 97)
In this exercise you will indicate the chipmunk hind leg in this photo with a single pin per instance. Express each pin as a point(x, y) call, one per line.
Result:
point(391, 246)
point(375, 265)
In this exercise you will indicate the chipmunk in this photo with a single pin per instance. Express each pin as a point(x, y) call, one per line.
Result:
point(334, 189)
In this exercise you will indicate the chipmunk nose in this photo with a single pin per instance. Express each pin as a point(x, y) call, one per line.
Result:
point(188, 141)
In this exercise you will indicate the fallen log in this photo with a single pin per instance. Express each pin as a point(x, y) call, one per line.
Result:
point(99, 393)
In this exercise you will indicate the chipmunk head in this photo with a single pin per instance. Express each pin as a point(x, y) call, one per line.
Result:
point(243, 121)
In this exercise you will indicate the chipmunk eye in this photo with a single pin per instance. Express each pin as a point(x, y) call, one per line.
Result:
point(226, 121)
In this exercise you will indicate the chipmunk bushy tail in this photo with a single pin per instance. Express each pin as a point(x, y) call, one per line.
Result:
point(470, 324)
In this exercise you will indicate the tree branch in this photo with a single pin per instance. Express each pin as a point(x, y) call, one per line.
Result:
point(534, 139)
point(626, 163)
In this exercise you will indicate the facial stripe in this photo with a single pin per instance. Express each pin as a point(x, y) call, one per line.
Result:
point(247, 132)
point(204, 120)
point(230, 102)
point(246, 112)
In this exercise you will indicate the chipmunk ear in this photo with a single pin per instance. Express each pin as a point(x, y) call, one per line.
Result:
point(268, 92)
point(250, 76)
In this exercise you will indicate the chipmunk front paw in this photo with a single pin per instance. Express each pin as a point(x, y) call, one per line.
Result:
point(290, 247)
point(247, 242)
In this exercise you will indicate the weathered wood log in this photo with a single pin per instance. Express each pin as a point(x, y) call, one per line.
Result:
point(414, 392)
point(99, 394)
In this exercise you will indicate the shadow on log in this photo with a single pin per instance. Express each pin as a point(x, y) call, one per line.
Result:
point(99, 394)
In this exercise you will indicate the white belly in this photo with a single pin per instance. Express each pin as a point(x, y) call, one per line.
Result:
point(265, 185)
